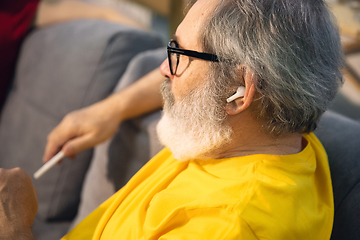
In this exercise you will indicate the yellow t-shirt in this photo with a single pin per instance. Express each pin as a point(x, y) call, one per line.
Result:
point(252, 197)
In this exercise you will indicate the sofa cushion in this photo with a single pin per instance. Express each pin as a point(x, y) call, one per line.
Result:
point(62, 68)
point(118, 159)
point(341, 138)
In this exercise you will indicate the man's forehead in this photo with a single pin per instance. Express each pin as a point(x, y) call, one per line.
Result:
point(188, 31)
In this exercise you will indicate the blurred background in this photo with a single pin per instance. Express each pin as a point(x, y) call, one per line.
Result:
point(347, 14)
point(161, 16)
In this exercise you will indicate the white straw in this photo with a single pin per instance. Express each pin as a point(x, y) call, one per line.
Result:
point(49, 165)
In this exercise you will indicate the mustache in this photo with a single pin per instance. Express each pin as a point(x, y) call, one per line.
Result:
point(168, 96)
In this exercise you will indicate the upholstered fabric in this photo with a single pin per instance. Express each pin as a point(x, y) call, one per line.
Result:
point(118, 159)
point(62, 68)
point(341, 139)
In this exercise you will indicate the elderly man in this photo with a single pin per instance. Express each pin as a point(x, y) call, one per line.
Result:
point(247, 82)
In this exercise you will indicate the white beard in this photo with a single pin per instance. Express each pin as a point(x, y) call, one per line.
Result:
point(194, 127)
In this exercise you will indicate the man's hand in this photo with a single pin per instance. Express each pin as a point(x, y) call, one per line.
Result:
point(18, 204)
point(83, 129)
point(95, 124)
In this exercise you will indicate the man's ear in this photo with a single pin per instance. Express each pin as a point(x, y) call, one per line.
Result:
point(240, 104)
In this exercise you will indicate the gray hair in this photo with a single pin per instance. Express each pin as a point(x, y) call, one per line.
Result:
point(292, 47)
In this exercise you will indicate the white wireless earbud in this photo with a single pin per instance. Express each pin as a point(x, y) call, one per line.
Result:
point(239, 93)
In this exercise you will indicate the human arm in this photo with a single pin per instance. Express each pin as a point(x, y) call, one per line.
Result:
point(90, 126)
point(18, 205)
point(160, 6)
point(60, 11)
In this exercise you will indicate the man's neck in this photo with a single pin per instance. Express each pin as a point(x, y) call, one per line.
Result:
point(250, 138)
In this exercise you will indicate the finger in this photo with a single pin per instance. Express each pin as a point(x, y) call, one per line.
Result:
point(78, 144)
point(56, 139)
point(72, 157)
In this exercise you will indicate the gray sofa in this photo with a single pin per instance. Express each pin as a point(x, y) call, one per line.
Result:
point(71, 65)
point(62, 68)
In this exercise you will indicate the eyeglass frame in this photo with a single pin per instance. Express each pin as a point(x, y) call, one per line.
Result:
point(189, 53)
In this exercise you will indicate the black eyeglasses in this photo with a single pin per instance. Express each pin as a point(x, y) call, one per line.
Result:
point(174, 53)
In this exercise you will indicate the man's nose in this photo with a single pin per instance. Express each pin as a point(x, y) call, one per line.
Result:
point(165, 69)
